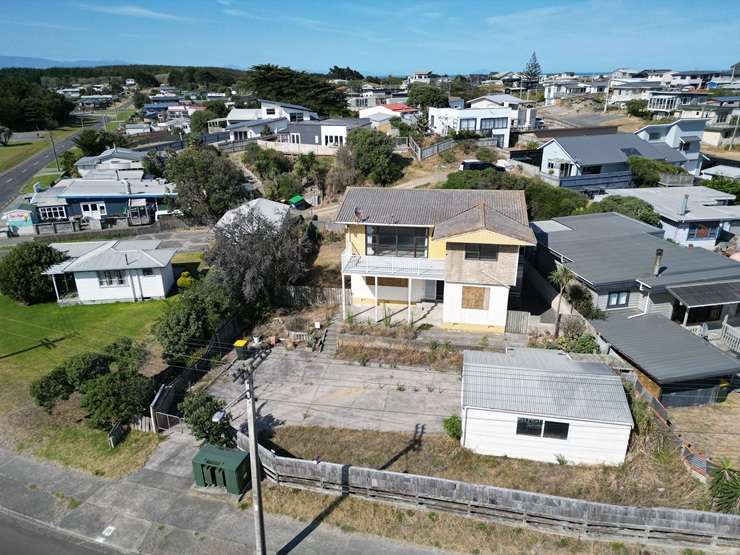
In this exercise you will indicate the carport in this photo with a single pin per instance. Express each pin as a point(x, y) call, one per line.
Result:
point(705, 302)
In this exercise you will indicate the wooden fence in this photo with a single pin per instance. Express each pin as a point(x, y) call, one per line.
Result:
point(549, 513)
point(303, 295)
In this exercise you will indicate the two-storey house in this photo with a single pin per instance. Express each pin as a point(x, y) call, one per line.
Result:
point(459, 248)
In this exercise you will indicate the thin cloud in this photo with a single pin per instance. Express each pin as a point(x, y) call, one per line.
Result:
point(43, 25)
point(134, 11)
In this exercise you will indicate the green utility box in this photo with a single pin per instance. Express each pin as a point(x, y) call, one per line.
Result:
point(215, 466)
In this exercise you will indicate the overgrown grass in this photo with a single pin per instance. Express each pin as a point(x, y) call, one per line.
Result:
point(439, 357)
point(439, 530)
point(16, 152)
point(652, 475)
point(87, 449)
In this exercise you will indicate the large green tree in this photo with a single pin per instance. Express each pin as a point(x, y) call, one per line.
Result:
point(724, 184)
point(116, 397)
point(373, 154)
point(629, 206)
point(208, 184)
point(346, 73)
point(532, 71)
point(21, 270)
point(92, 142)
point(423, 96)
point(646, 172)
point(25, 105)
point(287, 85)
point(199, 121)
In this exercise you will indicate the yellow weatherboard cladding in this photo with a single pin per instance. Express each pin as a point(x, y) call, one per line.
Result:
point(438, 247)
point(356, 234)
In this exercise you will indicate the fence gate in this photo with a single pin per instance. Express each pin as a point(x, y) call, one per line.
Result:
point(165, 422)
point(517, 321)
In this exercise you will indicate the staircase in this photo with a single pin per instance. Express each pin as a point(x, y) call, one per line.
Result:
point(329, 349)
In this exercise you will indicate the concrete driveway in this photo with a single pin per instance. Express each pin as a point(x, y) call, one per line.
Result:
point(302, 388)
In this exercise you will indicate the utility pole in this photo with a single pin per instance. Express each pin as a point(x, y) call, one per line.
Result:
point(54, 148)
point(259, 523)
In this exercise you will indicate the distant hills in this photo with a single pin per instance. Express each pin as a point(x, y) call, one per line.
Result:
point(42, 63)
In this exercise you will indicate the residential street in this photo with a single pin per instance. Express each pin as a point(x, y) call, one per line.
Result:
point(156, 511)
point(13, 180)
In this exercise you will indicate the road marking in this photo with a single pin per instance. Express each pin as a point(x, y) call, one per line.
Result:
point(8, 180)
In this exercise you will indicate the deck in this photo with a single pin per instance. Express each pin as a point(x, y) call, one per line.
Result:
point(393, 266)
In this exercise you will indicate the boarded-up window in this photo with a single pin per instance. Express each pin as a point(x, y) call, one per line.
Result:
point(475, 297)
point(386, 281)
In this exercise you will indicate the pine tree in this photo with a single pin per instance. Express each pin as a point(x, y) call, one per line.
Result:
point(532, 70)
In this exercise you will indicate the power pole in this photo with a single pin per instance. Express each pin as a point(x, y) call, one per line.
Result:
point(54, 148)
point(259, 523)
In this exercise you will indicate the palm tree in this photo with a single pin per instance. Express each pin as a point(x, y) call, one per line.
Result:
point(560, 278)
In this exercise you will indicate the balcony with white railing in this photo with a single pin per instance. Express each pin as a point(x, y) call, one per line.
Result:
point(392, 266)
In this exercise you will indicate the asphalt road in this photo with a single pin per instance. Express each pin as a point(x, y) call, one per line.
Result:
point(20, 536)
point(13, 180)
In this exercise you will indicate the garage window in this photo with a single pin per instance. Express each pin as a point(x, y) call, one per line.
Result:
point(556, 430)
point(475, 298)
point(529, 427)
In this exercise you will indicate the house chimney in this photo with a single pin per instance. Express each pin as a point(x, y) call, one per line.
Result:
point(685, 205)
point(658, 262)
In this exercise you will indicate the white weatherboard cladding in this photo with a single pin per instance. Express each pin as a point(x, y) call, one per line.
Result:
point(498, 302)
point(555, 153)
point(136, 286)
point(491, 432)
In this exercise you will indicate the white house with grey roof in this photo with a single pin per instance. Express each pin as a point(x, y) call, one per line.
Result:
point(542, 405)
point(694, 216)
point(114, 158)
point(112, 271)
point(330, 132)
point(683, 136)
point(426, 247)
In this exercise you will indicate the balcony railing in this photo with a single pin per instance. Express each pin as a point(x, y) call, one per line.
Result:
point(395, 266)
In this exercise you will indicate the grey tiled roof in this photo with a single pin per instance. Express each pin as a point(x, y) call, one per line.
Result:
point(483, 217)
point(541, 382)
point(615, 148)
point(663, 349)
point(611, 248)
point(425, 207)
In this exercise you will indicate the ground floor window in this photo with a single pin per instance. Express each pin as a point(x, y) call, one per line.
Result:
point(467, 124)
point(111, 278)
point(618, 299)
point(707, 230)
point(475, 298)
point(52, 213)
point(542, 428)
point(386, 281)
point(148, 272)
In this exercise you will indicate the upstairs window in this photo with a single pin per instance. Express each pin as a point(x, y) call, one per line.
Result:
point(618, 299)
point(477, 251)
point(397, 241)
point(270, 111)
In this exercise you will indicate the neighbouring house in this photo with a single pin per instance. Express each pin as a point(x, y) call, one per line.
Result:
point(331, 132)
point(131, 129)
point(112, 159)
point(520, 115)
point(425, 78)
point(238, 115)
point(252, 129)
point(721, 170)
point(683, 136)
point(594, 163)
point(174, 125)
point(542, 405)
point(292, 112)
point(556, 89)
point(691, 216)
point(393, 109)
point(112, 271)
point(74, 204)
point(665, 103)
point(455, 102)
point(382, 122)
point(367, 99)
point(640, 279)
point(457, 248)
point(622, 91)
point(722, 114)
point(275, 213)
point(696, 78)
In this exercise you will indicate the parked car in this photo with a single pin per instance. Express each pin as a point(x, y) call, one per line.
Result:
point(478, 165)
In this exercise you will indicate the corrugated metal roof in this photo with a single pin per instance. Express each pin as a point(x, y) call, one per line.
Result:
point(543, 383)
point(666, 351)
point(111, 255)
point(425, 207)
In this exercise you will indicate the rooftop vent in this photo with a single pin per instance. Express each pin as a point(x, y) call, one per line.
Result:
point(658, 266)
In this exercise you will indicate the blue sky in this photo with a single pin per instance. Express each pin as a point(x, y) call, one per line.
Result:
point(381, 36)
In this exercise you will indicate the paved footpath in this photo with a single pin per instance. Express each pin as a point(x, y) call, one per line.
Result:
point(155, 511)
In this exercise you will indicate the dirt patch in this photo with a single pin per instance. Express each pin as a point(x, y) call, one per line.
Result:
point(438, 357)
point(649, 477)
point(326, 270)
point(397, 331)
point(288, 318)
point(711, 429)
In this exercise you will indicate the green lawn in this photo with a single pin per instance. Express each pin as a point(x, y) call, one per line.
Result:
point(120, 118)
point(37, 337)
point(16, 152)
point(44, 180)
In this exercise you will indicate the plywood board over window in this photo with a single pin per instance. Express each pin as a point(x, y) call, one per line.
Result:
point(475, 297)
point(387, 282)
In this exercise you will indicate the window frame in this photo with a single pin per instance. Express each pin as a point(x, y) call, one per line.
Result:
point(47, 213)
point(465, 122)
point(475, 251)
point(373, 244)
point(618, 303)
point(111, 278)
point(147, 272)
point(525, 426)
point(712, 230)
point(553, 434)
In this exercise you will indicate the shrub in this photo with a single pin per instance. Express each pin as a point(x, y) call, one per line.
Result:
point(447, 156)
point(582, 301)
point(20, 272)
point(646, 172)
point(51, 388)
point(572, 327)
point(485, 154)
point(126, 353)
point(586, 343)
point(116, 397)
point(637, 108)
point(629, 206)
point(725, 488)
point(85, 367)
point(197, 410)
point(453, 426)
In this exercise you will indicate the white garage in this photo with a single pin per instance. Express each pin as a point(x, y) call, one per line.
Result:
point(542, 405)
